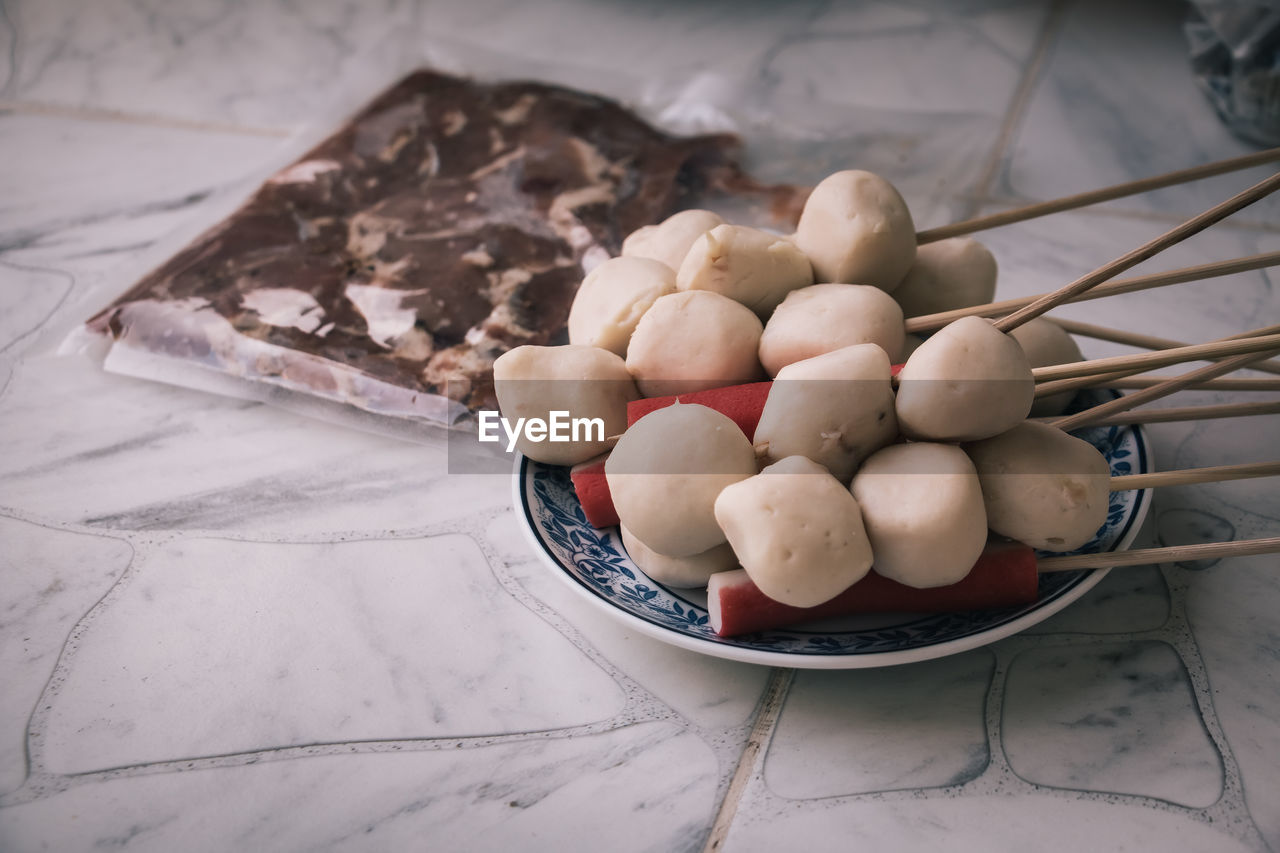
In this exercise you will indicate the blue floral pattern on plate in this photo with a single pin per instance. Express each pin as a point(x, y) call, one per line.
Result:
point(595, 563)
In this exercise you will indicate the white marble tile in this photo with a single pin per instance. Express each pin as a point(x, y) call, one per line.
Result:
point(258, 646)
point(270, 64)
point(1228, 442)
point(87, 206)
point(1111, 719)
point(1006, 821)
point(1111, 108)
point(648, 787)
point(838, 79)
point(849, 41)
point(914, 726)
point(1127, 600)
point(915, 91)
point(769, 71)
point(8, 42)
point(29, 296)
point(1231, 611)
point(1043, 254)
point(276, 472)
point(716, 695)
point(850, 55)
point(51, 579)
point(1187, 525)
point(64, 175)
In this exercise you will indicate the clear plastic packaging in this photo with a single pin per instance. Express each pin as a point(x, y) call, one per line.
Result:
point(784, 140)
point(1235, 54)
point(376, 276)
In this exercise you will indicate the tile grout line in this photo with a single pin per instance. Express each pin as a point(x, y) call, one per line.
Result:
point(1018, 103)
point(761, 733)
point(107, 115)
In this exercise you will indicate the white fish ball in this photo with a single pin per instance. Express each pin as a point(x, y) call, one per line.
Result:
point(922, 505)
point(826, 317)
point(797, 531)
point(666, 471)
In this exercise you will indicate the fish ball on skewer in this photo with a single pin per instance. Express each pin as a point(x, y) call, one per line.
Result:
point(922, 506)
point(967, 382)
point(747, 265)
point(666, 471)
point(1042, 487)
point(693, 340)
point(612, 299)
point(835, 408)
point(1046, 343)
point(955, 273)
point(669, 241)
point(855, 227)
point(797, 531)
point(826, 317)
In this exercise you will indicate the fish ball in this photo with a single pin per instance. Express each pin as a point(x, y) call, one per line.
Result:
point(747, 265)
point(693, 340)
point(954, 273)
point(966, 382)
point(826, 317)
point(1046, 343)
point(612, 299)
point(835, 408)
point(680, 572)
point(1043, 487)
point(797, 531)
point(922, 505)
point(669, 241)
point(666, 471)
point(855, 227)
point(587, 382)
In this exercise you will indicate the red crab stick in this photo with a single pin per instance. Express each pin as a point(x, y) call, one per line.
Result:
point(741, 403)
point(593, 492)
point(1004, 576)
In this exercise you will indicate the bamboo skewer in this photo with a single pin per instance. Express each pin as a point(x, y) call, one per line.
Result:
point(1128, 380)
point(1071, 202)
point(1134, 339)
point(1193, 476)
point(1144, 361)
point(1155, 392)
point(931, 322)
point(1048, 389)
point(1132, 258)
point(1139, 382)
point(1058, 386)
point(1152, 556)
point(1184, 413)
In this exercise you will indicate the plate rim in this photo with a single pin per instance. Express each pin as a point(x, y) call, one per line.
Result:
point(726, 649)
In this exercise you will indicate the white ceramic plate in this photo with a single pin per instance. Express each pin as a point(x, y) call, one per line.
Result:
point(594, 563)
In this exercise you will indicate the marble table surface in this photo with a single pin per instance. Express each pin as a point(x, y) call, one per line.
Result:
point(224, 626)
